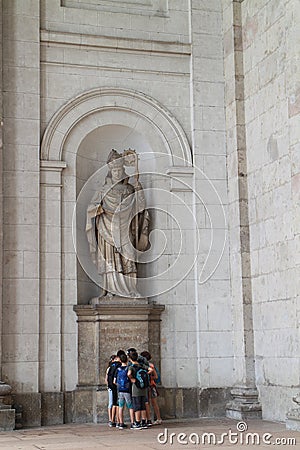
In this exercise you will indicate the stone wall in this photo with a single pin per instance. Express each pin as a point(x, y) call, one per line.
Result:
point(213, 325)
point(1, 190)
point(163, 67)
point(165, 72)
point(21, 136)
point(262, 93)
point(271, 66)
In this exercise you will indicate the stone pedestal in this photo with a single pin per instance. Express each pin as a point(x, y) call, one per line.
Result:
point(7, 413)
point(245, 404)
point(104, 327)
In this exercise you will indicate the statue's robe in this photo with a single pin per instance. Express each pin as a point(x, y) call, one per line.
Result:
point(117, 226)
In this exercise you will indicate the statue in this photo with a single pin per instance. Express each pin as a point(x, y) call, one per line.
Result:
point(117, 226)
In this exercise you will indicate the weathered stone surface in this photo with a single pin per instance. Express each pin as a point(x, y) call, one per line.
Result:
point(245, 404)
point(212, 402)
point(84, 406)
point(69, 404)
point(52, 406)
point(7, 418)
point(31, 404)
point(99, 334)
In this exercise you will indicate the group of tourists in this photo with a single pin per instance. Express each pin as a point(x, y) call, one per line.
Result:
point(131, 379)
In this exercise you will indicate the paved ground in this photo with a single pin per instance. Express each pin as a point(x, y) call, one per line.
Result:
point(92, 437)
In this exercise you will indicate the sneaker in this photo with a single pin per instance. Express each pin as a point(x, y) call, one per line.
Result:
point(135, 426)
point(111, 424)
point(118, 425)
point(149, 423)
point(144, 425)
point(122, 426)
point(157, 422)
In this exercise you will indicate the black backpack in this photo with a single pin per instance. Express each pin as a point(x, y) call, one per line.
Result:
point(142, 378)
point(111, 374)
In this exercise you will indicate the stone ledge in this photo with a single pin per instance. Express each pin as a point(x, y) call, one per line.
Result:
point(86, 41)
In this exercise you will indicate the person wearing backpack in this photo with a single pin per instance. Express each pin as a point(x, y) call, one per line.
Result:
point(124, 396)
point(152, 391)
point(139, 378)
point(112, 389)
point(110, 395)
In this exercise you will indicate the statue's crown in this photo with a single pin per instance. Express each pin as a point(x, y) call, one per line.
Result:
point(115, 160)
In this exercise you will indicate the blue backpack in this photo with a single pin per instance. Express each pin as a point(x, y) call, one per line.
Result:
point(122, 379)
point(158, 380)
point(142, 378)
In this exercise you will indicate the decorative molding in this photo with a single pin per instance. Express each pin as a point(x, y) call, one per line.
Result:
point(181, 178)
point(94, 104)
point(88, 42)
point(179, 170)
point(55, 166)
point(140, 7)
point(115, 69)
point(51, 173)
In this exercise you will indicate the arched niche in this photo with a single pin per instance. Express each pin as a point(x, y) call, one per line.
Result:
point(80, 136)
point(90, 159)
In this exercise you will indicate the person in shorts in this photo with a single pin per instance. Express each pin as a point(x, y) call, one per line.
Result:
point(139, 396)
point(124, 396)
point(112, 390)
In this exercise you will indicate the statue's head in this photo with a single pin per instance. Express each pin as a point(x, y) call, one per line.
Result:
point(116, 170)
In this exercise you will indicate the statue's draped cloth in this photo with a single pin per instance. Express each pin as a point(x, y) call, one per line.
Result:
point(114, 234)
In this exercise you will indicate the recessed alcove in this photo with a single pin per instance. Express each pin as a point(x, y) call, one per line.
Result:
point(90, 176)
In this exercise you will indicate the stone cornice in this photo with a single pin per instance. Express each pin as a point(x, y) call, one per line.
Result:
point(95, 313)
point(86, 41)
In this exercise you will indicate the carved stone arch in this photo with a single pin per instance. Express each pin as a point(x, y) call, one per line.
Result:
point(93, 105)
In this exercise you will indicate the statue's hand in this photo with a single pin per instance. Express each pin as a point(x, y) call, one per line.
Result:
point(99, 209)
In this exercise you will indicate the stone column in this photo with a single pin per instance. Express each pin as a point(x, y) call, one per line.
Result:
point(245, 402)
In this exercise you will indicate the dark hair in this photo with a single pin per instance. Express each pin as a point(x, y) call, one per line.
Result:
point(130, 350)
point(111, 360)
point(120, 352)
point(123, 358)
point(146, 355)
point(133, 356)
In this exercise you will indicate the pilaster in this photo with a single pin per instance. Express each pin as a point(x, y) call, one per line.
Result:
point(50, 276)
point(245, 403)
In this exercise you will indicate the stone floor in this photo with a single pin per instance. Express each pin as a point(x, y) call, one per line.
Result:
point(92, 437)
